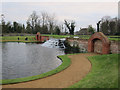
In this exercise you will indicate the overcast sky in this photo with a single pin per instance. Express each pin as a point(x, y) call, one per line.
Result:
point(84, 13)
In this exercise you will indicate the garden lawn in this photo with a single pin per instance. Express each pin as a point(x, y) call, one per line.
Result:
point(80, 36)
point(104, 73)
point(71, 36)
point(30, 38)
point(115, 39)
point(15, 39)
point(57, 36)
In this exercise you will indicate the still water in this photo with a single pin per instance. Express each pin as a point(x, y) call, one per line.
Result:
point(27, 59)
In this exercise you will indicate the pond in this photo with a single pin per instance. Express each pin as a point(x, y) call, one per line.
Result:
point(27, 59)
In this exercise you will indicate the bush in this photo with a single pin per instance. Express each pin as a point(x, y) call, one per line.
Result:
point(71, 49)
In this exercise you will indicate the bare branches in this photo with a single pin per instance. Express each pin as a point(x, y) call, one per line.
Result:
point(70, 26)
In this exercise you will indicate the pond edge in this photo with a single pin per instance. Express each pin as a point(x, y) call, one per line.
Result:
point(66, 62)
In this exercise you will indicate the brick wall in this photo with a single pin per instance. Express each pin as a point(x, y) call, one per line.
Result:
point(41, 38)
point(83, 45)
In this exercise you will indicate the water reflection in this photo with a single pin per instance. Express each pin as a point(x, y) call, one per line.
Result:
point(27, 59)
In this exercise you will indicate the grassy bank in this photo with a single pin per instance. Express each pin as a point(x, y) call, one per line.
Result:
point(114, 39)
point(57, 36)
point(81, 36)
point(15, 39)
point(104, 73)
point(30, 38)
point(65, 63)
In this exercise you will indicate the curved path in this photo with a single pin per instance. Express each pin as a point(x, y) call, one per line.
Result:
point(75, 72)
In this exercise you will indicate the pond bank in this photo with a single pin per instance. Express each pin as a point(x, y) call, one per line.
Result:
point(75, 72)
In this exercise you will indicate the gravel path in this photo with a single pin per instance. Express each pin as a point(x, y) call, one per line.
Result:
point(75, 72)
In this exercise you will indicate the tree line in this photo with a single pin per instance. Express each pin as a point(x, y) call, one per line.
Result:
point(44, 24)
point(110, 26)
point(47, 24)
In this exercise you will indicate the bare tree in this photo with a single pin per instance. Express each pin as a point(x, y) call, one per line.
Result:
point(106, 18)
point(109, 25)
point(70, 26)
point(51, 23)
point(33, 20)
point(44, 18)
point(2, 29)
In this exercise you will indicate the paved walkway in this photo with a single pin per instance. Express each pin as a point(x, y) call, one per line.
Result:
point(75, 72)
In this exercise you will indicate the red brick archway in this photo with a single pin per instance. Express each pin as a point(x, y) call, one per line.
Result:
point(38, 36)
point(103, 38)
point(41, 38)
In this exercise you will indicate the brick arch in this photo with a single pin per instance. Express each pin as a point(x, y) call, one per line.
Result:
point(103, 38)
point(38, 36)
point(41, 38)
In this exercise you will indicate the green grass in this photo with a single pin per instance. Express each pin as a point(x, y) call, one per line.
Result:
point(65, 63)
point(104, 73)
point(15, 38)
point(71, 36)
point(115, 39)
point(80, 36)
point(30, 38)
point(56, 36)
point(114, 36)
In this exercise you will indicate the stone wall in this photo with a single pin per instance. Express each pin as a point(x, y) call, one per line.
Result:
point(83, 45)
point(97, 46)
point(115, 46)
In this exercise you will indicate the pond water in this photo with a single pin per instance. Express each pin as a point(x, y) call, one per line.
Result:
point(27, 59)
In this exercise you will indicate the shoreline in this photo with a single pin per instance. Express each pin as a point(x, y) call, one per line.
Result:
point(64, 78)
point(65, 63)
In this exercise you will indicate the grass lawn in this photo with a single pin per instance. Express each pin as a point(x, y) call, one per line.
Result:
point(56, 36)
point(30, 38)
point(80, 36)
point(104, 73)
point(15, 39)
point(65, 63)
point(65, 36)
point(115, 39)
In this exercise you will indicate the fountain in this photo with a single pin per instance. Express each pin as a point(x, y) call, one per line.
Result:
point(54, 43)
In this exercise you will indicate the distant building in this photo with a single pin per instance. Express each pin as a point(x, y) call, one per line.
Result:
point(83, 31)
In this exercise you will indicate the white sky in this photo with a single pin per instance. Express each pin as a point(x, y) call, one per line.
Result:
point(60, 0)
point(84, 13)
